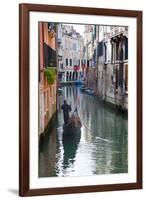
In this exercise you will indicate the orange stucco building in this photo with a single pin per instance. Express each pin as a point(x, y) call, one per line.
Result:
point(47, 58)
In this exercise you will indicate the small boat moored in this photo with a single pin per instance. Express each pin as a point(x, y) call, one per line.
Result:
point(79, 82)
point(83, 88)
point(89, 91)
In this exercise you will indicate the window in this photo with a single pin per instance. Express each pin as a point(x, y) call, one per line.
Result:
point(67, 76)
point(79, 62)
point(121, 54)
point(117, 77)
point(70, 62)
point(121, 76)
point(82, 62)
point(49, 56)
point(105, 47)
point(66, 62)
point(126, 48)
point(112, 52)
point(100, 49)
point(95, 32)
point(117, 50)
point(126, 78)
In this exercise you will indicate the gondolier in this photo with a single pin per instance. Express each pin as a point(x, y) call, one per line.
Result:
point(66, 109)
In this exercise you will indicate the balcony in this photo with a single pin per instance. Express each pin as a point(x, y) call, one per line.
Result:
point(114, 32)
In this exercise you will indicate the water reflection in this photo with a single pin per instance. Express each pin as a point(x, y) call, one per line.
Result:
point(70, 146)
point(99, 148)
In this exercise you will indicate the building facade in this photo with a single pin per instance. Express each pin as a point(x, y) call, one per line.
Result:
point(106, 63)
point(100, 58)
point(90, 70)
point(47, 61)
point(70, 54)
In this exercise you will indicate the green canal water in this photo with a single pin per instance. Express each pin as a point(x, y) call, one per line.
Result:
point(100, 148)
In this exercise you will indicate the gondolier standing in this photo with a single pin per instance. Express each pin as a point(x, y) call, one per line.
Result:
point(66, 109)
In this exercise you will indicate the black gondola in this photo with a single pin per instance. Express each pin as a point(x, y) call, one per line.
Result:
point(74, 125)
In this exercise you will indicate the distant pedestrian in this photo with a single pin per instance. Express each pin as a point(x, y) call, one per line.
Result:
point(66, 109)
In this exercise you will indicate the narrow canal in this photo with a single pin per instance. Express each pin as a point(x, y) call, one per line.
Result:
point(100, 148)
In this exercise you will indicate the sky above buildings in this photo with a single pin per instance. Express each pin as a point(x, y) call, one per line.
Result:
point(78, 27)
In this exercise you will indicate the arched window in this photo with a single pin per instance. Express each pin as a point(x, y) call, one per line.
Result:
point(121, 69)
point(70, 76)
point(112, 52)
point(121, 54)
point(126, 47)
point(73, 76)
point(67, 76)
point(117, 50)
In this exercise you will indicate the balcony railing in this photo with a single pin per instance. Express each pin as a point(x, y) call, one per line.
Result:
point(115, 31)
